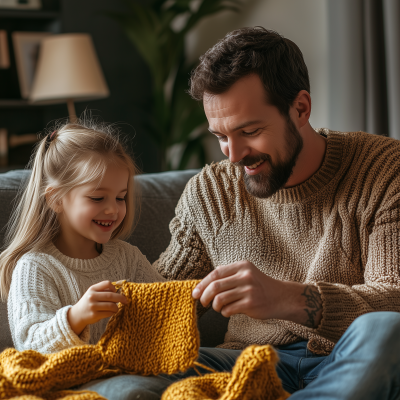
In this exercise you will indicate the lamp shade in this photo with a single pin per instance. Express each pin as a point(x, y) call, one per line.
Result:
point(68, 69)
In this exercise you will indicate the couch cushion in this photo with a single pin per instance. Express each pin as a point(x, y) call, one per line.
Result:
point(159, 195)
point(9, 185)
point(10, 182)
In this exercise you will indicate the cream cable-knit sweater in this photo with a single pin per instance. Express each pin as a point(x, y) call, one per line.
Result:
point(45, 285)
point(339, 230)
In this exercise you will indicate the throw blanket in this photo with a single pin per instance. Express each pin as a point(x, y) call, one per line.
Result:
point(156, 332)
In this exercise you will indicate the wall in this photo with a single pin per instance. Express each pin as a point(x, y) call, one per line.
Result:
point(303, 21)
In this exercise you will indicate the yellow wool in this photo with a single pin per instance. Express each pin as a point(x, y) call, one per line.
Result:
point(156, 332)
point(253, 378)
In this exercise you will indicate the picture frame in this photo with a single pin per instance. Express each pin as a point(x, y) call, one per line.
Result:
point(21, 4)
point(26, 51)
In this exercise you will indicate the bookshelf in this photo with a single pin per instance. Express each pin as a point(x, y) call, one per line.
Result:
point(19, 118)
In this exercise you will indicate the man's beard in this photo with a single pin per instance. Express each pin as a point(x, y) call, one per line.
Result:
point(264, 185)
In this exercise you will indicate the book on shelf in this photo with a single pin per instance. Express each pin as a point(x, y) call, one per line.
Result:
point(4, 52)
point(3, 147)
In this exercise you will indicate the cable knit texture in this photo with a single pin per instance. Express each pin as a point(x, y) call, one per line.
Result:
point(45, 285)
point(339, 230)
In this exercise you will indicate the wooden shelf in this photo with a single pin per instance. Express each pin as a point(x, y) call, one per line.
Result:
point(17, 103)
point(31, 14)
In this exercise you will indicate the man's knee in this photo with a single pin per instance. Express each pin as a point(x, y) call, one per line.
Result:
point(377, 331)
point(383, 322)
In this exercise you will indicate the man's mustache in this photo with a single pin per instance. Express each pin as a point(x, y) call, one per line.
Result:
point(250, 160)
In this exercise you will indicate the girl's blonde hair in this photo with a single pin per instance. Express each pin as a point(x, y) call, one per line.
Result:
point(73, 154)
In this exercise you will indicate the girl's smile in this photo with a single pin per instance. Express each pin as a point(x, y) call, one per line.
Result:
point(105, 226)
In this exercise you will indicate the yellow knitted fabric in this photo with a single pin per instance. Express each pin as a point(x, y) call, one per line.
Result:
point(156, 332)
point(253, 378)
point(32, 373)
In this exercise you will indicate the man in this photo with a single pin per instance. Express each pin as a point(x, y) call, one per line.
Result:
point(297, 234)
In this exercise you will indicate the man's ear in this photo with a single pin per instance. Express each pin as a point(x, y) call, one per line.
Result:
point(57, 207)
point(302, 107)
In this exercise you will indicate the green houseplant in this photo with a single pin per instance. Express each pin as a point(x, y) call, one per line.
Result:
point(177, 119)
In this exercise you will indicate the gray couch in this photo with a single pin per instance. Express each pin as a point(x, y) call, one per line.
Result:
point(159, 195)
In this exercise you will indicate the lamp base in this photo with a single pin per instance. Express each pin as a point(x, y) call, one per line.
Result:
point(71, 111)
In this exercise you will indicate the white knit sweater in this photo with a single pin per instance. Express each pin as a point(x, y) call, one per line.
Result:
point(45, 285)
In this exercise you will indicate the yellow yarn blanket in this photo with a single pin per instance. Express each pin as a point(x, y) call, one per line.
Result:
point(156, 332)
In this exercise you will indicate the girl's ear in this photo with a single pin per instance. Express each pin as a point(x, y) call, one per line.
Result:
point(56, 206)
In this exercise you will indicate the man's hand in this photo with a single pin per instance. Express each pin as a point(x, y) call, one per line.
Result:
point(241, 288)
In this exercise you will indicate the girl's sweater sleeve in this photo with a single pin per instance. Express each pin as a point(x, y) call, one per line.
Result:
point(38, 319)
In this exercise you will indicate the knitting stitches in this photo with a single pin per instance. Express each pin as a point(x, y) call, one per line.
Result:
point(164, 340)
point(156, 332)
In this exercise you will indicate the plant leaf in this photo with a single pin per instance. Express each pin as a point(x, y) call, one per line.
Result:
point(209, 7)
point(194, 146)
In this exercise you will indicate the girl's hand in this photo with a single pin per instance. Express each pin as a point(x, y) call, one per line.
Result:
point(97, 303)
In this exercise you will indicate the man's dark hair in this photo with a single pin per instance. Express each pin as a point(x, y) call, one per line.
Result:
point(276, 60)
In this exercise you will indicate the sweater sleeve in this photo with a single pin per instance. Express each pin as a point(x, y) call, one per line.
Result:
point(186, 256)
point(381, 289)
point(38, 320)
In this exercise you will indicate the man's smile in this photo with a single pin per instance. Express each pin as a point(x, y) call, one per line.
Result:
point(255, 168)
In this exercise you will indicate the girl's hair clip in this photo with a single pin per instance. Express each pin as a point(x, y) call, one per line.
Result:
point(50, 137)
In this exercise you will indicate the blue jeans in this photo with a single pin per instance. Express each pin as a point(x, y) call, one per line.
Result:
point(364, 364)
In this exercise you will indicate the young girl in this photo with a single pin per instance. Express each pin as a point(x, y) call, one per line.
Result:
point(63, 243)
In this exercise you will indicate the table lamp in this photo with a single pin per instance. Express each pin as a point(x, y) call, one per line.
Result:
point(68, 70)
